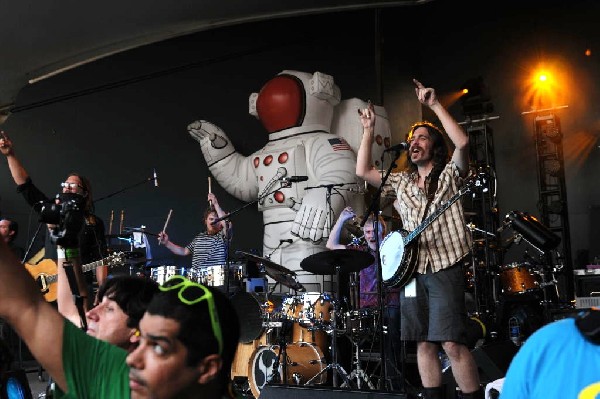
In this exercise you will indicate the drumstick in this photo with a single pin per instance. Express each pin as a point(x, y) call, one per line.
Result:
point(122, 219)
point(209, 191)
point(167, 221)
point(110, 223)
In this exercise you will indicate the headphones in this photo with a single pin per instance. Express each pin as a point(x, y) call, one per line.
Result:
point(588, 323)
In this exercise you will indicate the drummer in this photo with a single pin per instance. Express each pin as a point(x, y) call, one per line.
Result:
point(368, 293)
point(208, 248)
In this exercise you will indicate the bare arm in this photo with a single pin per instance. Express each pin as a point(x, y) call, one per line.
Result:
point(163, 238)
point(34, 320)
point(364, 165)
point(226, 225)
point(18, 172)
point(64, 299)
point(454, 131)
point(333, 242)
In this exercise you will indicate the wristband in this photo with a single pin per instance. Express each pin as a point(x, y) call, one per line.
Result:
point(61, 253)
point(72, 252)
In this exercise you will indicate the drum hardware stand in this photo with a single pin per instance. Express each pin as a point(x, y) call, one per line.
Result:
point(276, 378)
point(358, 372)
point(334, 365)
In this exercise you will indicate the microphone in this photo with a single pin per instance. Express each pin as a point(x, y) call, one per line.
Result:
point(155, 179)
point(403, 146)
point(294, 179)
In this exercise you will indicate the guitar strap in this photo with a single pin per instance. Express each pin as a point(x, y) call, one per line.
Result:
point(431, 189)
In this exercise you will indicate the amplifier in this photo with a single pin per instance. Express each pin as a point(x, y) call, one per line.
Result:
point(587, 282)
point(587, 302)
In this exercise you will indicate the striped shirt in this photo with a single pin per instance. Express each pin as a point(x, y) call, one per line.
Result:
point(446, 240)
point(208, 250)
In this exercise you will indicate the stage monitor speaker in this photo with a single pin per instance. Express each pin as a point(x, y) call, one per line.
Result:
point(295, 392)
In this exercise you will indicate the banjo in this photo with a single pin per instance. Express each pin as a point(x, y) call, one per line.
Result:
point(398, 251)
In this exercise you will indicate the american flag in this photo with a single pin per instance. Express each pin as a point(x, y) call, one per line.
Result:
point(339, 144)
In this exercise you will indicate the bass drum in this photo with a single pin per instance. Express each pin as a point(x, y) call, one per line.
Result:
point(393, 255)
point(254, 311)
point(304, 361)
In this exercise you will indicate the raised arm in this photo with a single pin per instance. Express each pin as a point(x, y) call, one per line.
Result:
point(225, 224)
point(34, 320)
point(65, 299)
point(333, 242)
point(364, 165)
point(18, 172)
point(455, 132)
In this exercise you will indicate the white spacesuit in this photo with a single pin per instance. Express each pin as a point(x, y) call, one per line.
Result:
point(297, 109)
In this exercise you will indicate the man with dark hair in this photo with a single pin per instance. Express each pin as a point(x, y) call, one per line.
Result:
point(9, 229)
point(120, 304)
point(432, 305)
point(187, 340)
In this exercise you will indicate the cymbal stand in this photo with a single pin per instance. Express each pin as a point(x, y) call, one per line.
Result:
point(336, 368)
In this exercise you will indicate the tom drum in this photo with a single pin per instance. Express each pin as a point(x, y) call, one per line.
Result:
point(516, 278)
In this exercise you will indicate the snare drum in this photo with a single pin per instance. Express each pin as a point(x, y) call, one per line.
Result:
point(361, 322)
point(214, 276)
point(161, 274)
point(304, 361)
point(515, 278)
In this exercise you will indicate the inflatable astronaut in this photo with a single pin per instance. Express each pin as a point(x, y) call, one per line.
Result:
point(297, 109)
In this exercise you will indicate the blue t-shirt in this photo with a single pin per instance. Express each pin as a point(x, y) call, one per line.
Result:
point(555, 362)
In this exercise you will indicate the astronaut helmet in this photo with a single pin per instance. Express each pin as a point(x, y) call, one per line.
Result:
point(295, 99)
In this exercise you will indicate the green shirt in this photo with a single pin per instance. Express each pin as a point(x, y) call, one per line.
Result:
point(93, 368)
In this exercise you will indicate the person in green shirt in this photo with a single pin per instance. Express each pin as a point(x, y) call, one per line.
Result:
point(187, 340)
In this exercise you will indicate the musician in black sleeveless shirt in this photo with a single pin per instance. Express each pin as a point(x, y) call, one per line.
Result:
point(92, 240)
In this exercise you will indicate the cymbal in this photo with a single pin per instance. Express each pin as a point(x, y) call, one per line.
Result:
point(285, 279)
point(277, 272)
point(349, 260)
point(123, 235)
point(266, 262)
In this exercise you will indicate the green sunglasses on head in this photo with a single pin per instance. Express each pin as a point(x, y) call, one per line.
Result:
point(182, 283)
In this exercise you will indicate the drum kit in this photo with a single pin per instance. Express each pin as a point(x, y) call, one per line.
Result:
point(291, 339)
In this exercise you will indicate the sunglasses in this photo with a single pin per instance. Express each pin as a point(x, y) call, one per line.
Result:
point(191, 293)
point(72, 186)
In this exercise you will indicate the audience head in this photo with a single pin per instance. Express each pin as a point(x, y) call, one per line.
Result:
point(189, 336)
point(8, 230)
point(120, 304)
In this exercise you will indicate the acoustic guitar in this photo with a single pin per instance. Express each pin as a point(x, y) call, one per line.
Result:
point(45, 273)
point(398, 251)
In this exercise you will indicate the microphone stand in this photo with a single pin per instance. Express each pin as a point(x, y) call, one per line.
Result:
point(149, 179)
point(32, 241)
point(374, 210)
